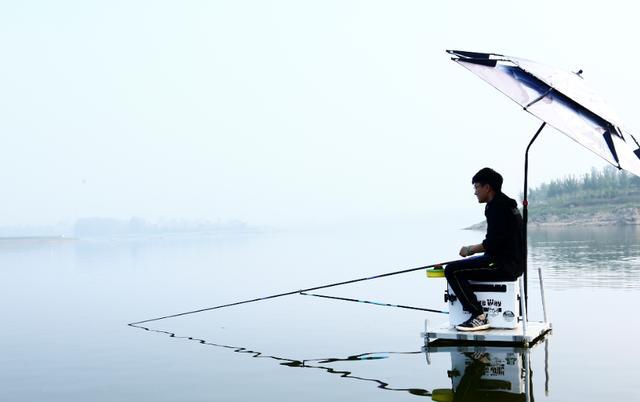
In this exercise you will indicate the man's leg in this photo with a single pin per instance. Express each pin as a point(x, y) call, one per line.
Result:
point(457, 274)
point(480, 268)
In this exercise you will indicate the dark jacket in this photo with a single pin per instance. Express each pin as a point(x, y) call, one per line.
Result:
point(504, 242)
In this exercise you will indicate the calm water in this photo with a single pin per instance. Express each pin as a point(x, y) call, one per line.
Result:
point(67, 303)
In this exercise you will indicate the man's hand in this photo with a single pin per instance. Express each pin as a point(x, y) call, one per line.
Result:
point(466, 251)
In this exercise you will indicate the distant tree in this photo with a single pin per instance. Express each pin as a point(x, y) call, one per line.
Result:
point(607, 183)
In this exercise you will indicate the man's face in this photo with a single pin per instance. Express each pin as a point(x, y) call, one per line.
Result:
point(482, 192)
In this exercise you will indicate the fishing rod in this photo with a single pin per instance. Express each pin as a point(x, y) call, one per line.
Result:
point(374, 302)
point(292, 292)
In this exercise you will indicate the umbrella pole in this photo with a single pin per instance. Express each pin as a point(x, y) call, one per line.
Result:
point(525, 216)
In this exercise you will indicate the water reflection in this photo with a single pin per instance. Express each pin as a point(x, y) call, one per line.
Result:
point(587, 257)
point(320, 364)
point(481, 373)
point(478, 373)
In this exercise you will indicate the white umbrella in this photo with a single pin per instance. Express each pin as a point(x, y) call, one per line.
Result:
point(562, 100)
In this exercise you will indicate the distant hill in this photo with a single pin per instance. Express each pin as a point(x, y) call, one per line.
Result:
point(599, 198)
point(105, 227)
point(97, 227)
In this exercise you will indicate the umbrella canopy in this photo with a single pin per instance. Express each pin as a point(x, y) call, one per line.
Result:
point(562, 100)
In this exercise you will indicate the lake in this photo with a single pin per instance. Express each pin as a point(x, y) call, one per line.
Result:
point(67, 304)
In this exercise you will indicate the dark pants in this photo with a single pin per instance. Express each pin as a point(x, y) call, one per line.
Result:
point(480, 268)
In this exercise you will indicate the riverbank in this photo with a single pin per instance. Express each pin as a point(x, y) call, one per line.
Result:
point(575, 216)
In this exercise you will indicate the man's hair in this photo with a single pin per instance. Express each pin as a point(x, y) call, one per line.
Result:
point(490, 177)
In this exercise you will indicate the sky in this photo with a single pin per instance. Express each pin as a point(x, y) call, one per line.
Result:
point(284, 112)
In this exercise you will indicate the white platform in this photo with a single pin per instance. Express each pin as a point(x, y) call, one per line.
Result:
point(445, 333)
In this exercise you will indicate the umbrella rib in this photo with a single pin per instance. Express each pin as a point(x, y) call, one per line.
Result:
point(634, 139)
point(539, 98)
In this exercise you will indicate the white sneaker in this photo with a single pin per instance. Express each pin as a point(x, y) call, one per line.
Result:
point(474, 324)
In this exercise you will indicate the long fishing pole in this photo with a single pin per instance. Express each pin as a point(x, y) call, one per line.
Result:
point(374, 302)
point(292, 292)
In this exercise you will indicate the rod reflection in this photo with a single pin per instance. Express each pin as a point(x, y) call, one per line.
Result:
point(312, 363)
point(477, 373)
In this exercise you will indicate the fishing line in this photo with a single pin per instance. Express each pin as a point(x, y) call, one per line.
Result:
point(375, 302)
point(292, 292)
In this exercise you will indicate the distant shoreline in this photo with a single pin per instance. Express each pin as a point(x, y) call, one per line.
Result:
point(36, 238)
point(579, 217)
point(100, 227)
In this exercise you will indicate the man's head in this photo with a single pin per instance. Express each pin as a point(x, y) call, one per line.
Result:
point(486, 183)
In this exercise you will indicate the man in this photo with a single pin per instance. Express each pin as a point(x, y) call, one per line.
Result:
point(503, 247)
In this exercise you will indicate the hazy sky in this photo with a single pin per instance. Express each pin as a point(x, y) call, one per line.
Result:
point(283, 111)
